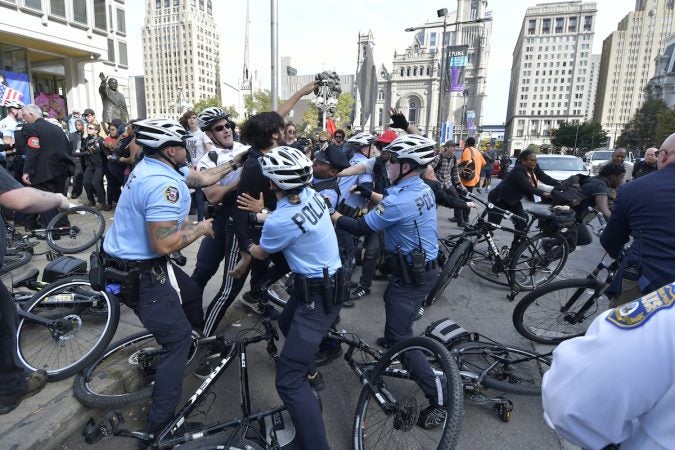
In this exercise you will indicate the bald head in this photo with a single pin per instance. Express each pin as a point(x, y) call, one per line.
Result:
point(650, 155)
point(667, 152)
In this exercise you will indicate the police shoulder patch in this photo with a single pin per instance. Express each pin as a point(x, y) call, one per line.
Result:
point(171, 193)
point(380, 208)
point(637, 313)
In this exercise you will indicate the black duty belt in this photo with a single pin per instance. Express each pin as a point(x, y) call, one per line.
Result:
point(126, 264)
point(430, 265)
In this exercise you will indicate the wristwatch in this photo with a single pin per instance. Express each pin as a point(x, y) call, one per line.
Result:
point(265, 211)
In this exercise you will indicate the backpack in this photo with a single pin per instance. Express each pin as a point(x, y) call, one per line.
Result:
point(467, 169)
point(569, 191)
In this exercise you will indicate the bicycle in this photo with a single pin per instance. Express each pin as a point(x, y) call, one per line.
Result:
point(490, 365)
point(537, 260)
point(387, 409)
point(64, 326)
point(563, 309)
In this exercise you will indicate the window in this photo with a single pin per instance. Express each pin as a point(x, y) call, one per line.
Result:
point(121, 21)
point(57, 7)
point(158, 4)
point(588, 23)
point(80, 11)
point(531, 27)
point(402, 71)
point(412, 111)
point(432, 40)
point(415, 71)
point(123, 54)
point(546, 26)
point(559, 24)
point(100, 20)
point(35, 4)
point(111, 50)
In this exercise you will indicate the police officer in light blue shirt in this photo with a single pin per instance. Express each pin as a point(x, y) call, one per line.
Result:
point(407, 218)
point(149, 225)
point(301, 229)
point(363, 145)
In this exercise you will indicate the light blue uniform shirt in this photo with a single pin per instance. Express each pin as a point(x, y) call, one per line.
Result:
point(328, 193)
point(408, 202)
point(305, 235)
point(346, 183)
point(155, 192)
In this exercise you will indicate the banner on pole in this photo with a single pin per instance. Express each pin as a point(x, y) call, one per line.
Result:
point(456, 59)
point(471, 123)
point(447, 131)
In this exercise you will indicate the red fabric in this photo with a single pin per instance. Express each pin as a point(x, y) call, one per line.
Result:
point(330, 126)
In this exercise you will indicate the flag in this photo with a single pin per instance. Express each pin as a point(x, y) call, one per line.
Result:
point(7, 94)
point(330, 126)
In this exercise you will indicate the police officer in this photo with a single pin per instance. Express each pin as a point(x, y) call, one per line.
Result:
point(9, 123)
point(156, 199)
point(222, 199)
point(407, 216)
point(301, 229)
point(615, 384)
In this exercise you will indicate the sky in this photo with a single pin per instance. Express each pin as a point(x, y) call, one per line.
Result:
point(322, 35)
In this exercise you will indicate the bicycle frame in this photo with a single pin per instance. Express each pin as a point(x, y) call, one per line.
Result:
point(580, 314)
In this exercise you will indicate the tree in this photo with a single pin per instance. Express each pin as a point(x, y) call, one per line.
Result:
point(665, 127)
point(259, 101)
point(310, 118)
point(641, 131)
point(343, 110)
point(583, 135)
point(215, 102)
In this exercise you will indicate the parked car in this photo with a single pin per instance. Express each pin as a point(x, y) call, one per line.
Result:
point(562, 167)
point(597, 158)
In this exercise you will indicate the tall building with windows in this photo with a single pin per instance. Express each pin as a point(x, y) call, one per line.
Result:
point(53, 51)
point(589, 97)
point(413, 83)
point(551, 71)
point(628, 62)
point(181, 55)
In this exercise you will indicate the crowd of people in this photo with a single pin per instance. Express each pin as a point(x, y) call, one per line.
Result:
point(315, 196)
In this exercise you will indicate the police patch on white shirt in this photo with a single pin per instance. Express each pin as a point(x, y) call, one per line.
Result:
point(637, 313)
point(171, 194)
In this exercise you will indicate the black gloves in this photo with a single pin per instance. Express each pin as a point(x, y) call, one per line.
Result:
point(398, 120)
point(363, 191)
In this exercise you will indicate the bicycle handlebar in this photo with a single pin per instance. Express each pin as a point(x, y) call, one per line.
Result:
point(491, 206)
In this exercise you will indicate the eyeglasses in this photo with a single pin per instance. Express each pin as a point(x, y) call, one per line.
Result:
point(290, 131)
point(91, 129)
point(322, 142)
point(88, 115)
point(220, 128)
point(337, 136)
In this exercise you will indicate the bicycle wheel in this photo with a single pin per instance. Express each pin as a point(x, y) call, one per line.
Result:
point(503, 368)
point(558, 311)
point(538, 261)
point(83, 322)
point(393, 424)
point(14, 260)
point(125, 374)
point(483, 263)
point(451, 269)
point(75, 229)
point(277, 293)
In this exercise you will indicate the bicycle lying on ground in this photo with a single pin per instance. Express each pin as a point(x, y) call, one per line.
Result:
point(71, 231)
point(386, 415)
point(537, 260)
point(563, 309)
point(486, 364)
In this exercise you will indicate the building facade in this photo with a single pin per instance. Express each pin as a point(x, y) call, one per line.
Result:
point(413, 84)
point(53, 51)
point(551, 73)
point(181, 55)
point(662, 84)
point(629, 61)
point(589, 97)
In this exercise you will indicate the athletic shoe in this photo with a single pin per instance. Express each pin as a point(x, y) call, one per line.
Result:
point(348, 304)
point(431, 417)
point(316, 382)
point(420, 313)
point(252, 302)
point(204, 370)
point(360, 292)
point(34, 384)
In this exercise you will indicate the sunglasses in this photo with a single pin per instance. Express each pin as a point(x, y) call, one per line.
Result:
point(290, 131)
point(90, 128)
point(88, 115)
point(337, 136)
point(322, 142)
point(220, 128)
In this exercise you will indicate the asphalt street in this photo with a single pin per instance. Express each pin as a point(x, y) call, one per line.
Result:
point(475, 304)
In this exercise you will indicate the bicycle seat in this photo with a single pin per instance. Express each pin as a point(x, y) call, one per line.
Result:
point(27, 278)
point(540, 213)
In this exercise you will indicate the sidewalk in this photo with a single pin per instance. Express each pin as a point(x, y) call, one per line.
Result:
point(51, 416)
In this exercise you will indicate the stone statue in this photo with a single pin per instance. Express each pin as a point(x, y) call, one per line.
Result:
point(114, 104)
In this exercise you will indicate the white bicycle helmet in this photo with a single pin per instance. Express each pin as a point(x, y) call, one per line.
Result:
point(14, 104)
point(361, 139)
point(210, 115)
point(287, 167)
point(155, 134)
point(412, 147)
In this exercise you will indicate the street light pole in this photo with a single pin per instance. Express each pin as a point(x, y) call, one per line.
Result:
point(441, 81)
point(275, 53)
point(465, 93)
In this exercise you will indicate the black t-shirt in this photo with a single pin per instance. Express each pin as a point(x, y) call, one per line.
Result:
point(590, 188)
point(7, 183)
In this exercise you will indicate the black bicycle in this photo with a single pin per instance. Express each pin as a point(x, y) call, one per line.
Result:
point(564, 309)
point(386, 415)
point(537, 260)
point(64, 326)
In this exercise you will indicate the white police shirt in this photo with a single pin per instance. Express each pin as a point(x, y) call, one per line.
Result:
point(155, 192)
point(346, 183)
point(224, 156)
point(616, 384)
point(8, 126)
point(410, 201)
point(304, 233)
